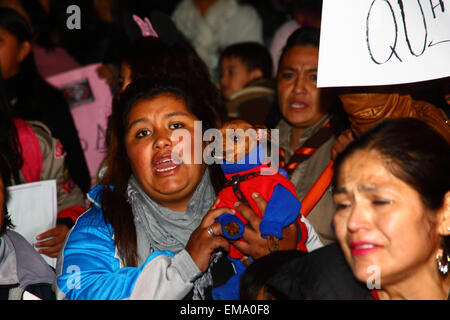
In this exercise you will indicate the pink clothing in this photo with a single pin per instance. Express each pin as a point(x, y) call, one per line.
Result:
point(30, 150)
point(279, 40)
point(53, 61)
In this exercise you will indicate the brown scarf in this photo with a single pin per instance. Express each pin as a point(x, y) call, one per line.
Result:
point(365, 110)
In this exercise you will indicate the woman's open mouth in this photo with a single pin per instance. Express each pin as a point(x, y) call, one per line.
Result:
point(297, 105)
point(164, 165)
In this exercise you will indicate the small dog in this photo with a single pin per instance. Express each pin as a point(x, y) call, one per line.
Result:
point(245, 166)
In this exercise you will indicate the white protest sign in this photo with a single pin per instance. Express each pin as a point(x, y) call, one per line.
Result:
point(33, 210)
point(383, 42)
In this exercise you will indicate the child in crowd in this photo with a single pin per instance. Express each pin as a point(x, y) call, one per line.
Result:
point(246, 81)
point(211, 25)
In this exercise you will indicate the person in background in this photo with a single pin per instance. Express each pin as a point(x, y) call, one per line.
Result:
point(368, 106)
point(32, 98)
point(312, 118)
point(304, 13)
point(261, 280)
point(24, 275)
point(40, 157)
point(211, 25)
point(246, 81)
point(49, 56)
point(392, 221)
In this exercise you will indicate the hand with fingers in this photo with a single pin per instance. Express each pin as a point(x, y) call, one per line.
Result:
point(207, 238)
point(51, 241)
point(341, 143)
point(255, 245)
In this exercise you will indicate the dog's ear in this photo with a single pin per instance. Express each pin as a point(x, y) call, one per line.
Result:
point(262, 133)
point(211, 139)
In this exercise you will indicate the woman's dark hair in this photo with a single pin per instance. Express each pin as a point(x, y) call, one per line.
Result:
point(266, 274)
point(10, 153)
point(10, 150)
point(9, 141)
point(5, 175)
point(116, 209)
point(151, 56)
point(41, 23)
point(414, 153)
point(253, 55)
point(15, 24)
point(302, 37)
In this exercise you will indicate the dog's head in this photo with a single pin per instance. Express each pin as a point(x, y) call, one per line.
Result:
point(239, 138)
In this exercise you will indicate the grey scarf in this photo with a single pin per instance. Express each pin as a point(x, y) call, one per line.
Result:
point(159, 228)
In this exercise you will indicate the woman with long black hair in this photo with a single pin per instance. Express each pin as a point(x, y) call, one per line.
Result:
point(32, 98)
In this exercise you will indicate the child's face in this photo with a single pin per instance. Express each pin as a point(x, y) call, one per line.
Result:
point(234, 75)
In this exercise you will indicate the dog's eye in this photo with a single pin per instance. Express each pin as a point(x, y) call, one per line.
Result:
point(234, 137)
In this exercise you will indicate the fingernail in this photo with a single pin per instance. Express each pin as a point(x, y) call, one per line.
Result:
point(236, 204)
point(233, 211)
point(255, 195)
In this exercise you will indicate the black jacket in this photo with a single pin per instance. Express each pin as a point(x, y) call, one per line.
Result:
point(321, 275)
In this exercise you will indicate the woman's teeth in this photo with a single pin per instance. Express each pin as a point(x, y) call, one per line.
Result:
point(297, 105)
point(365, 246)
point(164, 165)
point(166, 169)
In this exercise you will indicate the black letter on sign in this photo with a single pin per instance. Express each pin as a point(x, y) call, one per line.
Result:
point(392, 47)
point(440, 4)
point(402, 10)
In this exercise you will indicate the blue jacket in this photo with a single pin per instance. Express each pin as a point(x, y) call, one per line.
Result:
point(89, 267)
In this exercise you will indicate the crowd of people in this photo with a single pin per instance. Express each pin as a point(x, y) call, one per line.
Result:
point(370, 165)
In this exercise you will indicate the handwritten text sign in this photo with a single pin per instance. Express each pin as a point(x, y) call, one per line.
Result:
point(383, 42)
point(89, 98)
